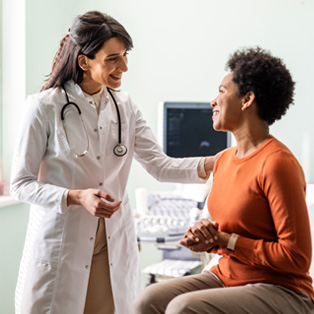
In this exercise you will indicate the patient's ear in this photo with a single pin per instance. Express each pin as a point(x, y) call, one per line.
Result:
point(248, 100)
point(82, 62)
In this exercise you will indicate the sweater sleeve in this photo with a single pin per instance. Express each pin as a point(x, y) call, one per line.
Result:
point(283, 183)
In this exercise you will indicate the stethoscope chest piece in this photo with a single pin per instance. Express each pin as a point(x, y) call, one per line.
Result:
point(120, 150)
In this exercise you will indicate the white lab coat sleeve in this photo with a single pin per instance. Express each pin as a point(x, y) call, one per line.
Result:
point(149, 153)
point(29, 151)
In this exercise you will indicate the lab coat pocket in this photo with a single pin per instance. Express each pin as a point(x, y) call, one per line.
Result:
point(49, 232)
point(37, 294)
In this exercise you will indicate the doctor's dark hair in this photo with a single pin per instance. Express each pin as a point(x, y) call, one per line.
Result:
point(256, 70)
point(87, 35)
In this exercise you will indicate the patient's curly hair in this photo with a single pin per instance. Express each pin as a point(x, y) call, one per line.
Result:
point(256, 70)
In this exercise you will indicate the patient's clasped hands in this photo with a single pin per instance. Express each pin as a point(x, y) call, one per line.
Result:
point(203, 236)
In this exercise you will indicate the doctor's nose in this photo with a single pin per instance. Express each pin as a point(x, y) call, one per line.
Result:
point(123, 64)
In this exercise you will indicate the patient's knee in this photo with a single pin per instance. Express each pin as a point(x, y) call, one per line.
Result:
point(181, 304)
point(147, 301)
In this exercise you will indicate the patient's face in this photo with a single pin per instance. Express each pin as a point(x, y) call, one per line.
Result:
point(227, 113)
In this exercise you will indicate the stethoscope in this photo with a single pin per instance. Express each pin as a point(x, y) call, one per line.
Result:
point(119, 150)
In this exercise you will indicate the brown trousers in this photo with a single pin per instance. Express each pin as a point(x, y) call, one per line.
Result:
point(99, 299)
point(205, 294)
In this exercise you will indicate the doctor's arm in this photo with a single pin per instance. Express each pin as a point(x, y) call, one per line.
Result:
point(162, 167)
point(30, 149)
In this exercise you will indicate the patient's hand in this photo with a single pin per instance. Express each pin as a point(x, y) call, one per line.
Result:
point(202, 237)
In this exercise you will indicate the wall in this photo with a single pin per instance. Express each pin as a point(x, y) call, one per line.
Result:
point(13, 75)
point(13, 220)
point(181, 48)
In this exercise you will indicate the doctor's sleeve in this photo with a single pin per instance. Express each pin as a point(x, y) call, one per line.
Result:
point(29, 151)
point(162, 167)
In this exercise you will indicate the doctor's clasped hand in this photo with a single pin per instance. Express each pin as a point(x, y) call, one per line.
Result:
point(96, 202)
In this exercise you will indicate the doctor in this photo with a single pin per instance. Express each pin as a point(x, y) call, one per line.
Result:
point(71, 163)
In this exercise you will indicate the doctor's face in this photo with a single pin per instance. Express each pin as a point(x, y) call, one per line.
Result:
point(108, 66)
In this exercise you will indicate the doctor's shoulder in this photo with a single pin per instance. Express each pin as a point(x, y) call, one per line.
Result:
point(42, 104)
point(128, 104)
point(124, 101)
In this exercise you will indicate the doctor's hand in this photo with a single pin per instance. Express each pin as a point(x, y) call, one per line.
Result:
point(203, 236)
point(210, 162)
point(96, 202)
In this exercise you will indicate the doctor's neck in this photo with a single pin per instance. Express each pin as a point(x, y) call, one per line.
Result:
point(90, 87)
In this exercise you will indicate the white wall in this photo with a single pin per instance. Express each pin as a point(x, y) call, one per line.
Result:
point(13, 76)
point(181, 48)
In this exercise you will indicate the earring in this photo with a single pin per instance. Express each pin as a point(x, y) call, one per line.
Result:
point(243, 108)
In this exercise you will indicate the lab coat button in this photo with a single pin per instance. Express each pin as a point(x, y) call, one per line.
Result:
point(100, 184)
point(100, 127)
point(98, 157)
point(90, 102)
point(91, 238)
point(109, 237)
point(95, 130)
point(86, 266)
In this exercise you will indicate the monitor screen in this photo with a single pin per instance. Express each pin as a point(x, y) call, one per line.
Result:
point(187, 130)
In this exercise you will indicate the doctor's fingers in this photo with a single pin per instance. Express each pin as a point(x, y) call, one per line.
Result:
point(102, 203)
point(105, 196)
point(106, 212)
point(109, 207)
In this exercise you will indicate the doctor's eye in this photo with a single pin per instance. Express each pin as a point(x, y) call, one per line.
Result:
point(113, 59)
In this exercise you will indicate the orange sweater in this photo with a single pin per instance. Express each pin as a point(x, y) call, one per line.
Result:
point(262, 198)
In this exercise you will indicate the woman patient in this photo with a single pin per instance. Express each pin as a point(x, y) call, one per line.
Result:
point(260, 223)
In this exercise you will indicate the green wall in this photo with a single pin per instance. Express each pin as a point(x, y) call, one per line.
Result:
point(13, 223)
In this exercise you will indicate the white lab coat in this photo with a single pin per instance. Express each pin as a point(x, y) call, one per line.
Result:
point(57, 256)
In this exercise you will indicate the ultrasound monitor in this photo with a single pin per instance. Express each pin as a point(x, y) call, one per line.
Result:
point(187, 130)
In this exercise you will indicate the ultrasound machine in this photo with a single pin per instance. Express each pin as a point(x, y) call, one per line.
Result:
point(185, 129)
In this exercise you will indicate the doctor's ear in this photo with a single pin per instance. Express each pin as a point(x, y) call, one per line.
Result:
point(248, 100)
point(83, 62)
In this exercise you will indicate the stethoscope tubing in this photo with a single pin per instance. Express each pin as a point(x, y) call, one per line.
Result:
point(119, 150)
point(118, 114)
point(68, 103)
